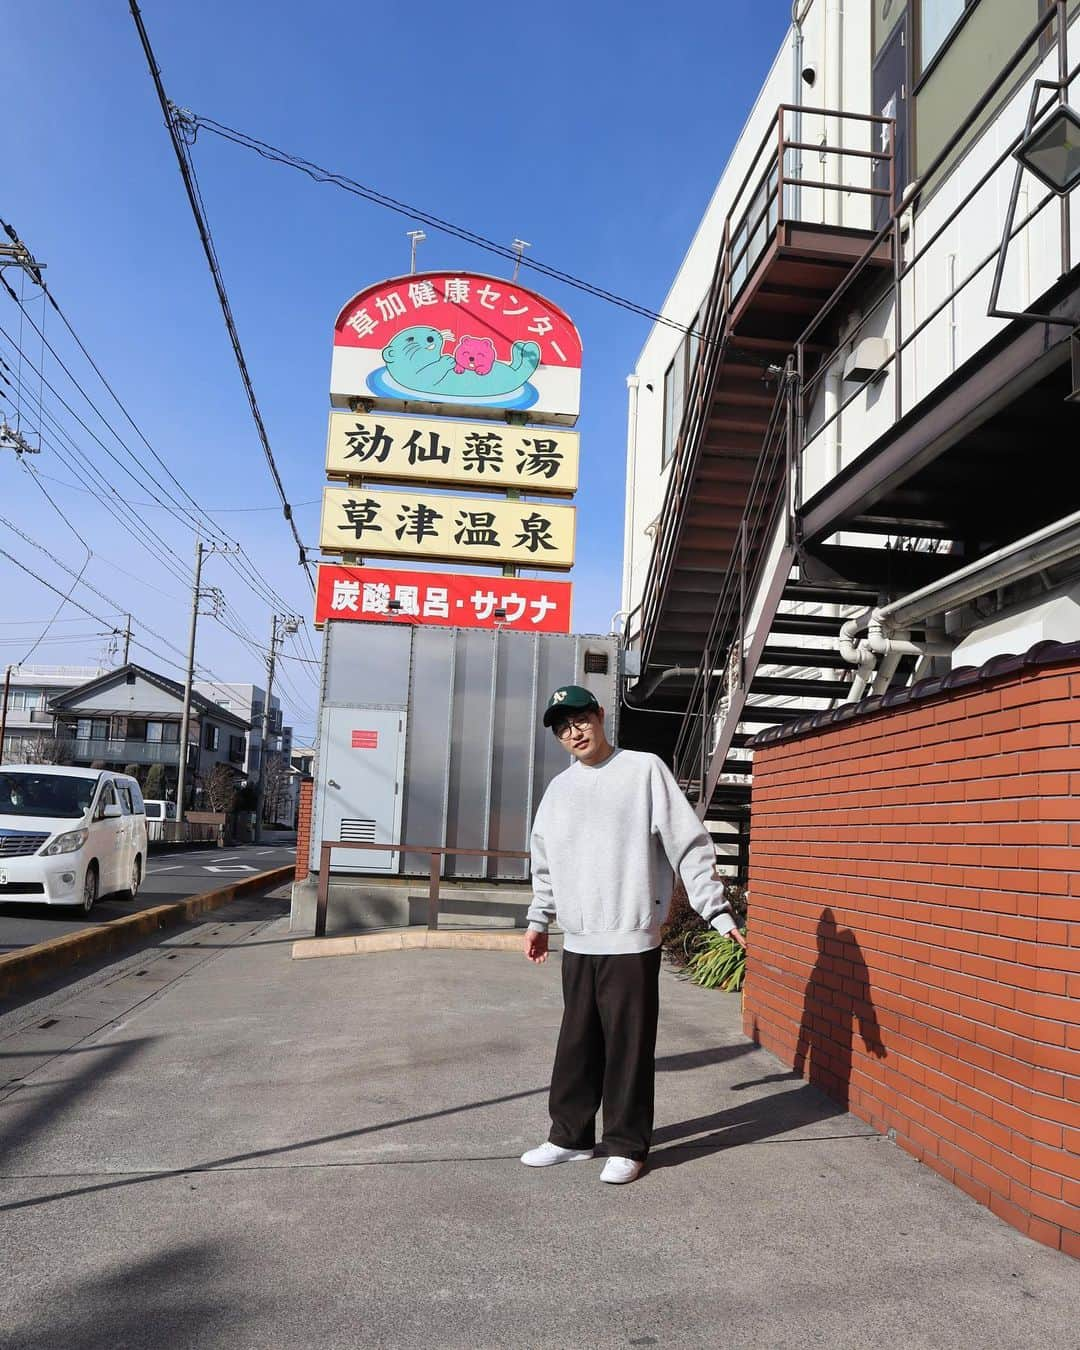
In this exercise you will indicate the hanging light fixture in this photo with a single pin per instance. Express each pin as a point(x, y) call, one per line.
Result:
point(1052, 150)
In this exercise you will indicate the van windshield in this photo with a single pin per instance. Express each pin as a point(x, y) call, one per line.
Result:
point(45, 794)
point(153, 810)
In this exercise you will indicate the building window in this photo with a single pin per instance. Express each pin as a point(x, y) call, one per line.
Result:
point(92, 729)
point(211, 737)
point(674, 394)
point(26, 700)
point(236, 749)
point(937, 19)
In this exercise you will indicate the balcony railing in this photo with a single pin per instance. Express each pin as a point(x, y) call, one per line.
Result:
point(125, 752)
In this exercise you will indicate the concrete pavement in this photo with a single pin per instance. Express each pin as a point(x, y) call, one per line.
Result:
point(212, 1145)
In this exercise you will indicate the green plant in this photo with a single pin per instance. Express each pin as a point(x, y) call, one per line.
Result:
point(715, 961)
point(685, 923)
point(154, 787)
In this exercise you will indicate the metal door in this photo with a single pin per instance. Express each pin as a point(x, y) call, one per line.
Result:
point(361, 763)
point(890, 82)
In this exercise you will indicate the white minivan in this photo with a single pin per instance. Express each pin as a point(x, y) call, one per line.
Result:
point(69, 835)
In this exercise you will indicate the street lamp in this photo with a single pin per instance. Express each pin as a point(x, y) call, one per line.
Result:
point(1052, 151)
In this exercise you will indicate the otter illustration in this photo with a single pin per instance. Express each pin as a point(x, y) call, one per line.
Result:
point(415, 360)
point(474, 354)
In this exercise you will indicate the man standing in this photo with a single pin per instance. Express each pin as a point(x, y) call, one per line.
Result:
point(610, 833)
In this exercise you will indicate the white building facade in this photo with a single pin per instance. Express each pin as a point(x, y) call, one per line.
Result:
point(30, 724)
point(868, 390)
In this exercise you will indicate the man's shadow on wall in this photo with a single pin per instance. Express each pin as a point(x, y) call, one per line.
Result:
point(837, 999)
point(835, 1002)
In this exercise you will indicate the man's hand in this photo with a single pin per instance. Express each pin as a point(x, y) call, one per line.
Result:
point(536, 946)
point(737, 936)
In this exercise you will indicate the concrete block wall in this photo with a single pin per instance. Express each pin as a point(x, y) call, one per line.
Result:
point(303, 828)
point(915, 933)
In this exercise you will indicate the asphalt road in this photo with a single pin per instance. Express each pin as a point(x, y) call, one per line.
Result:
point(170, 876)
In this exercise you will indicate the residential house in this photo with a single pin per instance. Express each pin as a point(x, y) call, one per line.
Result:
point(29, 725)
point(131, 717)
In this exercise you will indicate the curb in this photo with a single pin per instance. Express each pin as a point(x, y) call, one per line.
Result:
point(18, 969)
point(408, 940)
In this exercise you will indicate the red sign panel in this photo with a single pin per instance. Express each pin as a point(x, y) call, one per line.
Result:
point(444, 599)
point(458, 341)
point(365, 740)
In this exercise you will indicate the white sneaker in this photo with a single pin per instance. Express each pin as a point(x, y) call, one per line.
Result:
point(621, 1170)
point(548, 1154)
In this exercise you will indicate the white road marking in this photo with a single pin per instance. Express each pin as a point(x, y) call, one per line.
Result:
point(236, 867)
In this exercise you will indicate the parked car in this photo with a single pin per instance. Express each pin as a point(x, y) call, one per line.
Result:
point(157, 813)
point(68, 836)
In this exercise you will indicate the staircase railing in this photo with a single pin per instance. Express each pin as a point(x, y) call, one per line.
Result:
point(689, 442)
point(722, 669)
point(772, 192)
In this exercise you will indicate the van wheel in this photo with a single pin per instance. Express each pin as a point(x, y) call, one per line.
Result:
point(132, 889)
point(90, 890)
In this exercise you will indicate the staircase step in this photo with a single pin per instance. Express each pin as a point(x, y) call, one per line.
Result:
point(800, 657)
point(812, 592)
point(812, 625)
point(764, 713)
point(794, 688)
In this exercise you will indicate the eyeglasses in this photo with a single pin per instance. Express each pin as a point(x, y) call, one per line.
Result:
point(563, 729)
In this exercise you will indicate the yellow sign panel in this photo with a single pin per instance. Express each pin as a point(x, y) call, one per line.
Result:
point(422, 524)
point(537, 460)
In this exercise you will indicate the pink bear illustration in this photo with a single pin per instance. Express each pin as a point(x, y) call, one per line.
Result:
point(474, 353)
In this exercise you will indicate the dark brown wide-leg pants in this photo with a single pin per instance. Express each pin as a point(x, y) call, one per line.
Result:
point(606, 1052)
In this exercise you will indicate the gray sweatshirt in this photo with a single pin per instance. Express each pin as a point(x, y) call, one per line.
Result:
point(606, 843)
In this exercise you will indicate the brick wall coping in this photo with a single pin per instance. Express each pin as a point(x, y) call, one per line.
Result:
point(1041, 655)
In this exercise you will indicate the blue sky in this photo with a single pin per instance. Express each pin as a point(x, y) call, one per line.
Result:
point(597, 131)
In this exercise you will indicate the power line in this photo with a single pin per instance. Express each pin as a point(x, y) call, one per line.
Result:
point(220, 510)
point(240, 564)
point(187, 173)
point(196, 122)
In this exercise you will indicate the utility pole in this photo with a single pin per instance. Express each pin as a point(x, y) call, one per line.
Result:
point(127, 640)
point(185, 718)
point(3, 711)
point(264, 749)
point(289, 624)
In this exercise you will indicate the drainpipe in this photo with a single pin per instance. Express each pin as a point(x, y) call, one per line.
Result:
point(632, 384)
point(878, 644)
point(1022, 558)
point(856, 654)
point(648, 684)
point(833, 96)
point(795, 193)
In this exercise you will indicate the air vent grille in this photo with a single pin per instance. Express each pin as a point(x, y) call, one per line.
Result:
point(357, 832)
point(596, 663)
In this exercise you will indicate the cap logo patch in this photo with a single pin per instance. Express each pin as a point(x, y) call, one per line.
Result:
point(558, 696)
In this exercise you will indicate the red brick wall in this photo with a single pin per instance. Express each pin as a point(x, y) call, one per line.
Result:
point(303, 828)
point(915, 933)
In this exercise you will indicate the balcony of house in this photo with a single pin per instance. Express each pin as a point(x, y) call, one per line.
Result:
point(807, 210)
point(92, 751)
point(118, 740)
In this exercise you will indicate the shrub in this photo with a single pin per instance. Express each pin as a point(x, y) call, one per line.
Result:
point(684, 923)
point(716, 962)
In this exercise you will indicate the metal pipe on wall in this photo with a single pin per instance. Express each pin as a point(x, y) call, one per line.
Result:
point(633, 383)
point(833, 203)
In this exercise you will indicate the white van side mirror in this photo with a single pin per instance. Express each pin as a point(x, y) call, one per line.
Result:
point(111, 812)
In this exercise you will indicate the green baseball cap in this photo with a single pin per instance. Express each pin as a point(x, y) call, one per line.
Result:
point(570, 698)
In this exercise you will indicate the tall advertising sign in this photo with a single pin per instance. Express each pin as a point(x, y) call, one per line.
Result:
point(452, 395)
